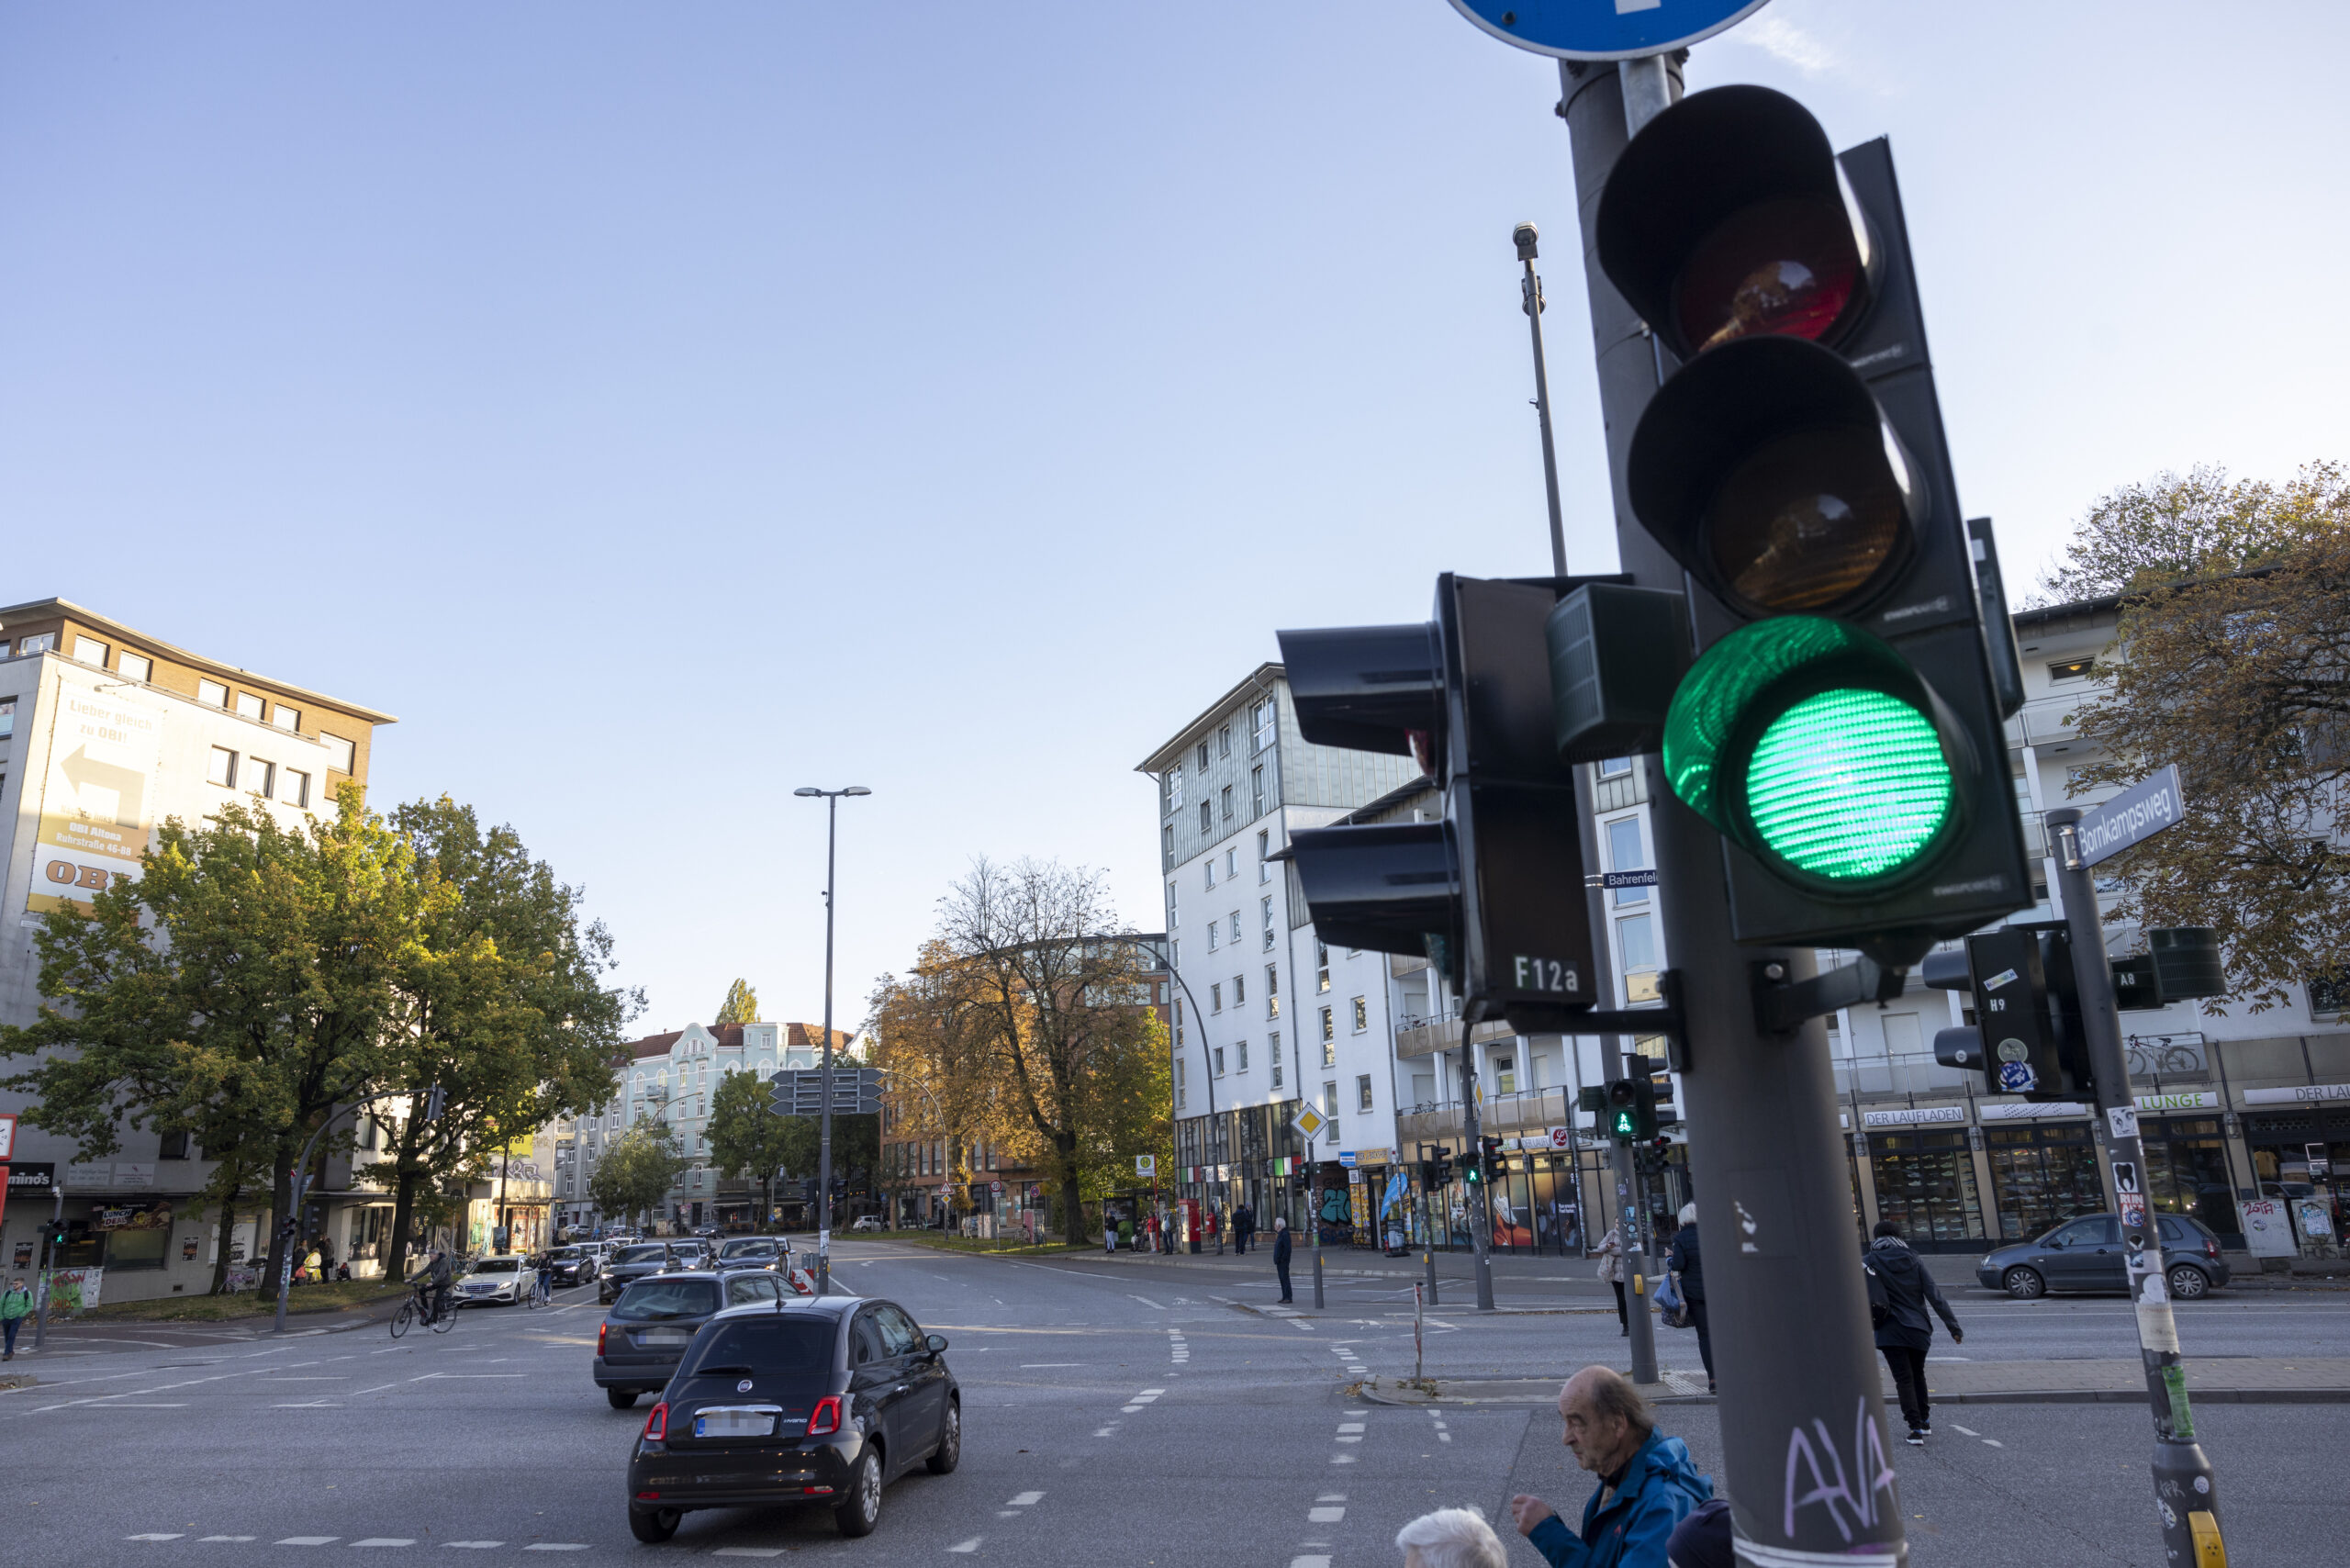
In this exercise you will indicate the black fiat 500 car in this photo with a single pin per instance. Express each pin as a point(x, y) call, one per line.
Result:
point(824, 1401)
point(649, 1328)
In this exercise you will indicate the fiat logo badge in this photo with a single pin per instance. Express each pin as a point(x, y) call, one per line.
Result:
point(743, 1386)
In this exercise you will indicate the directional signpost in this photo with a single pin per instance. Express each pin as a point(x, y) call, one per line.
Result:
point(800, 1092)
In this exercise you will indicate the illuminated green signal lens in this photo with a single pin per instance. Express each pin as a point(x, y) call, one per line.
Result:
point(1848, 784)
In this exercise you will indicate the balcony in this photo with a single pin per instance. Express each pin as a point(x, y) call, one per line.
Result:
point(1522, 1115)
point(1426, 1036)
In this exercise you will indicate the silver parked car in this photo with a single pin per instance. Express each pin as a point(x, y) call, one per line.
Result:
point(499, 1277)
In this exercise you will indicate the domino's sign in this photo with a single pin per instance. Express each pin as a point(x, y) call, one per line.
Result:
point(1604, 30)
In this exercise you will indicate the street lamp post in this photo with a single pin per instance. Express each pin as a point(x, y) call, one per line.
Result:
point(831, 799)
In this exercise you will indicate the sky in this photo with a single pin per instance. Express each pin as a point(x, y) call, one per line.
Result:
point(662, 407)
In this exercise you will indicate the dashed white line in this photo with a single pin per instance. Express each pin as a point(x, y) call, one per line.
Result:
point(1324, 1516)
point(1026, 1500)
point(970, 1545)
point(309, 1540)
point(387, 1540)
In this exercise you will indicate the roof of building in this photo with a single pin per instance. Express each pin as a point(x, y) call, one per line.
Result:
point(42, 609)
point(730, 1038)
point(1260, 680)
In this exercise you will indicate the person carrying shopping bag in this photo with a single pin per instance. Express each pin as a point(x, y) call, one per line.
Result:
point(1611, 1269)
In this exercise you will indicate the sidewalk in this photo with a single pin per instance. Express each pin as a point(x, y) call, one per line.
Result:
point(2219, 1380)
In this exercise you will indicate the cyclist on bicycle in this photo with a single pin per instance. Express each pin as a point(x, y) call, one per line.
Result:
point(544, 1264)
point(440, 1275)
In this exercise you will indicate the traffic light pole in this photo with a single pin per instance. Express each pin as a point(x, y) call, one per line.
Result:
point(1632, 1234)
point(2185, 1489)
point(1480, 1233)
point(1801, 1398)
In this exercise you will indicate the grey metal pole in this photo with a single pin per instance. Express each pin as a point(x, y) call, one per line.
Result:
point(825, 1122)
point(1801, 1398)
point(48, 1246)
point(1480, 1231)
point(1530, 297)
point(2187, 1497)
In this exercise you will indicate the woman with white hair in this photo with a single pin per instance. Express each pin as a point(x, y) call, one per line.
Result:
point(1689, 1270)
point(1451, 1537)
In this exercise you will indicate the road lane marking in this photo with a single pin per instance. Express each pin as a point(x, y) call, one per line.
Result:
point(386, 1540)
point(200, 1540)
point(970, 1545)
point(1324, 1516)
point(1309, 1562)
point(1993, 1443)
point(556, 1546)
point(1026, 1500)
point(1147, 1302)
point(1350, 1426)
point(469, 1545)
point(156, 1535)
point(750, 1552)
point(309, 1540)
point(1967, 1430)
point(1043, 1366)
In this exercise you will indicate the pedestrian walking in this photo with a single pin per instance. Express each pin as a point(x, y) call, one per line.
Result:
point(1281, 1246)
point(1688, 1269)
point(1451, 1537)
point(16, 1305)
point(1900, 1290)
point(1647, 1483)
point(1244, 1228)
point(1611, 1269)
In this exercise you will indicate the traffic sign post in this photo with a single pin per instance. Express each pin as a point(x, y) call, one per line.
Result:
point(2185, 1489)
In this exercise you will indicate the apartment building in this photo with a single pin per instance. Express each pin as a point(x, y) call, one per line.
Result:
point(1266, 1019)
point(106, 732)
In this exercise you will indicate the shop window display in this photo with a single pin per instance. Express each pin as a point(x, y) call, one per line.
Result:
point(2187, 1173)
point(1925, 1183)
point(2042, 1176)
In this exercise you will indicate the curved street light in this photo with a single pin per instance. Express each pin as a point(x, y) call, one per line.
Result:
point(831, 799)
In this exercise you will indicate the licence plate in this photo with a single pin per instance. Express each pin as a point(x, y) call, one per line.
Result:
point(735, 1424)
point(663, 1336)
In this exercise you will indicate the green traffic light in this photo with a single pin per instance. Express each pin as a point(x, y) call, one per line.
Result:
point(1848, 784)
point(1627, 1125)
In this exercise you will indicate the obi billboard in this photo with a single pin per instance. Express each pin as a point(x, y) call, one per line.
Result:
point(94, 802)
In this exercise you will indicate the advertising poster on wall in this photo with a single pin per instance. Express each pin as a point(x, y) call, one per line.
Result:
point(94, 804)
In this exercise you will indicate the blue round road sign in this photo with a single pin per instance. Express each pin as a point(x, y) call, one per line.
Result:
point(1604, 30)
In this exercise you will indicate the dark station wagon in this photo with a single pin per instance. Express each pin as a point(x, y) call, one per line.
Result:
point(647, 1330)
point(824, 1400)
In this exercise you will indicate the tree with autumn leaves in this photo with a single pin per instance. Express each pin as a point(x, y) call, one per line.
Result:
point(1026, 1022)
point(2232, 660)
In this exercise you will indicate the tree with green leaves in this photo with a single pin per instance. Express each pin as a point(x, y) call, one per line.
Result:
point(741, 1006)
point(2232, 660)
point(747, 1140)
point(505, 1007)
point(636, 1172)
point(241, 988)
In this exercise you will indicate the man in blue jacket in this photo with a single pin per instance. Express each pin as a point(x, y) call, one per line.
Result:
point(1647, 1484)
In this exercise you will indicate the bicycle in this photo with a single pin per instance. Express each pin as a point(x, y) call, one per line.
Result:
point(418, 1308)
point(540, 1294)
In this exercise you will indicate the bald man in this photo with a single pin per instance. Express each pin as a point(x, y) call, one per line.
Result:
point(1647, 1484)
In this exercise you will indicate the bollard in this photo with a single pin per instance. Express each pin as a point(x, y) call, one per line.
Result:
point(1429, 1258)
point(1318, 1278)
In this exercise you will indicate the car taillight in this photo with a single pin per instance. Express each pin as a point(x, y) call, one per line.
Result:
point(825, 1420)
point(656, 1426)
point(602, 1329)
point(2211, 1249)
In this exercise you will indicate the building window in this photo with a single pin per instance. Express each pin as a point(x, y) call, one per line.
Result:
point(212, 693)
point(261, 778)
point(1240, 1056)
point(1272, 979)
point(175, 1144)
point(90, 650)
point(1232, 864)
point(1215, 997)
point(1257, 791)
point(1224, 741)
point(1265, 908)
point(1614, 768)
point(297, 788)
point(7, 717)
point(1205, 826)
point(2071, 669)
point(223, 768)
point(248, 706)
point(1175, 788)
point(1362, 1014)
point(1362, 1091)
point(1261, 722)
point(1330, 1101)
point(1181, 1096)
point(1235, 929)
point(136, 667)
point(41, 643)
point(1225, 795)
point(1321, 965)
point(1203, 759)
point(1329, 1029)
point(1218, 1057)
point(1212, 935)
point(1167, 845)
point(1174, 918)
point(1209, 866)
point(286, 718)
point(1505, 1074)
point(1624, 854)
point(1264, 857)
point(338, 753)
point(1274, 1046)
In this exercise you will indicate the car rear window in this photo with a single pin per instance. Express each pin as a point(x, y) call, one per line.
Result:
point(564, 1254)
point(772, 1346)
point(748, 1249)
point(652, 1301)
point(641, 1255)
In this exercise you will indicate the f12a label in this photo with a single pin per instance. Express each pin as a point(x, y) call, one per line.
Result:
point(1549, 977)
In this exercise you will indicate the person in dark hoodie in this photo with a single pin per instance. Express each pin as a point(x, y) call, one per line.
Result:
point(1647, 1483)
point(1688, 1266)
point(1899, 1289)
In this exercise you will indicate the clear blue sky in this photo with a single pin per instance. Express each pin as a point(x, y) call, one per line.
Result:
point(662, 407)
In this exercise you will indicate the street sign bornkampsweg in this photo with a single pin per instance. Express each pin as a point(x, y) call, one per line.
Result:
point(2135, 816)
point(1604, 30)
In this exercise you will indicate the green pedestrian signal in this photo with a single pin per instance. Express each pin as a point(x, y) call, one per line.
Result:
point(1631, 1116)
point(1626, 1128)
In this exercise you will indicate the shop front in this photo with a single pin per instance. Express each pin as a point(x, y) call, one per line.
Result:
point(2042, 1173)
point(2298, 1158)
point(1922, 1164)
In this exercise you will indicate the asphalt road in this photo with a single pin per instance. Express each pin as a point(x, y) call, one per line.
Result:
point(1117, 1412)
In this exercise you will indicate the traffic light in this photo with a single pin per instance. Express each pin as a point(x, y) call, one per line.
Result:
point(1428, 1183)
point(1443, 1164)
point(1843, 729)
point(1631, 1110)
point(436, 1102)
point(1490, 893)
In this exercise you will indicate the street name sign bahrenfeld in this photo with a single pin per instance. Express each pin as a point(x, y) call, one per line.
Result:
point(2131, 817)
point(1604, 30)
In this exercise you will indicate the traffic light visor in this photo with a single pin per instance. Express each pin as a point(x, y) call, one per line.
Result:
point(1816, 746)
point(1767, 468)
point(1384, 886)
point(1725, 217)
point(1365, 688)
